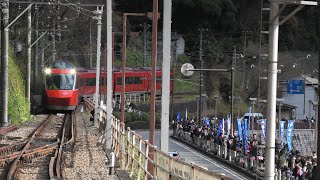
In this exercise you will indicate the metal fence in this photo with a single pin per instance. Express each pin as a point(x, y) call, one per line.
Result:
point(142, 160)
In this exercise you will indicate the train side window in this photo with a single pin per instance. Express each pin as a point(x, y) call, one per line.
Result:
point(137, 80)
point(159, 79)
point(119, 80)
point(129, 80)
point(91, 81)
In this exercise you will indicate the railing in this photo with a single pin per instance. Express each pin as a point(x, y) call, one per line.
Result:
point(248, 163)
point(134, 155)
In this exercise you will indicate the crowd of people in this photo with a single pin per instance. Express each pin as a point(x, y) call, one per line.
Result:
point(290, 162)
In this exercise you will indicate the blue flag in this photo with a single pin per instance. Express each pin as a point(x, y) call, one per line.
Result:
point(244, 133)
point(220, 128)
point(282, 131)
point(263, 127)
point(248, 124)
point(207, 121)
point(239, 129)
point(289, 133)
point(178, 117)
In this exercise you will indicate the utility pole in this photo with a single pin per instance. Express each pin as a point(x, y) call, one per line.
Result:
point(318, 104)
point(36, 59)
point(272, 90)
point(244, 60)
point(234, 58)
point(98, 14)
point(90, 45)
point(153, 70)
point(29, 58)
point(124, 58)
point(200, 79)
point(144, 43)
point(4, 63)
point(165, 95)
point(54, 39)
point(108, 129)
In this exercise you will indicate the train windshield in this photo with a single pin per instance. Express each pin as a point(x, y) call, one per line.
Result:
point(60, 81)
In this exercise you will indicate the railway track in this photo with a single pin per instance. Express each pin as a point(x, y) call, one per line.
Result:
point(31, 158)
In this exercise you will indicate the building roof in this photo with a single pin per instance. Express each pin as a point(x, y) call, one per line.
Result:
point(310, 80)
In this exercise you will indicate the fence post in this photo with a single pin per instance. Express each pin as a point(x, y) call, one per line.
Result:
point(133, 150)
point(128, 147)
point(146, 160)
point(139, 161)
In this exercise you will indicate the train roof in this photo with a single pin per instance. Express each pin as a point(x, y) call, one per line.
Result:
point(63, 65)
point(117, 69)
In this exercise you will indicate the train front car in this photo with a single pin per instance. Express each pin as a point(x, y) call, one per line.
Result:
point(60, 86)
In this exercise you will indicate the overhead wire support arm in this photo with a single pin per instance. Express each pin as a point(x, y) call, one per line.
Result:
point(18, 15)
point(291, 14)
point(215, 70)
point(38, 39)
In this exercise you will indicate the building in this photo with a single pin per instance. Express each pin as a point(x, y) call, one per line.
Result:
point(304, 103)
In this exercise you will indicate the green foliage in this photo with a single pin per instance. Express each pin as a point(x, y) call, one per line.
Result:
point(18, 107)
point(183, 58)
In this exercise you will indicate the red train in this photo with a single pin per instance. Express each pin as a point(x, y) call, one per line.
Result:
point(138, 80)
point(64, 84)
point(60, 86)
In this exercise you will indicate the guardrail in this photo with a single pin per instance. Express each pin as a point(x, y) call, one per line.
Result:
point(134, 155)
point(247, 163)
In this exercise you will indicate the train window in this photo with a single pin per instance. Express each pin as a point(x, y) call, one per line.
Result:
point(119, 80)
point(137, 80)
point(129, 80)
point(60, 81)
point(159, 79)
point(90, 81)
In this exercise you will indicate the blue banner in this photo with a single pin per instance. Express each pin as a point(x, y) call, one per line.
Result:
point(207, 121)
point(178, 117)
point(249, 121)
point(220, 128)
point(228, 125)
point(289, 133)
point(239, 129)
point(282, 131)
point(264, 127)
point(244, 132)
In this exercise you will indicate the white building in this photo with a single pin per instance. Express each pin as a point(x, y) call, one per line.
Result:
point(304, 102)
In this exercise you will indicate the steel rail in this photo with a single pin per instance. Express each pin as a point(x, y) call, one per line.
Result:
point(5, 130)
point(14, 165)
point(55, 162)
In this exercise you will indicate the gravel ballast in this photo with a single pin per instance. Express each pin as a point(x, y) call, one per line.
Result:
point(86, 160)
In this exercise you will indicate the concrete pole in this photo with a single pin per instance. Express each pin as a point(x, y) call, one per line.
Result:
point(124, 58)
point(29, 57)
point(317, 169)
point(272, 91)
point(153, 71)
point(144, 44)
point(108, 130)
point(252, 118)
point(4, 63)
point(200, 80)
point(42, 56)
point(234, 58)
point(54, 40)
point(279, 127)
point(36, 58)
point(165, 99)
point(98, 14)
point(90, 45)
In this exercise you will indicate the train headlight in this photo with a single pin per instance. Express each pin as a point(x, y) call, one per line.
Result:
point(48, 71)
point(72, 71)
